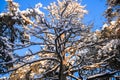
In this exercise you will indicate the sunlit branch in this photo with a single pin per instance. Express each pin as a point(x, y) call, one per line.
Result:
point(42, 59)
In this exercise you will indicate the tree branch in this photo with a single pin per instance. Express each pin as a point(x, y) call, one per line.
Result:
point(42, 59)
point(74, 77)
point(107, 74)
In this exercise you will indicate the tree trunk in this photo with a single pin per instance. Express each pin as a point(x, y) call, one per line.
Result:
point(61, 74)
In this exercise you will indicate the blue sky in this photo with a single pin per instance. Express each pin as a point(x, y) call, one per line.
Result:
point(94, 7)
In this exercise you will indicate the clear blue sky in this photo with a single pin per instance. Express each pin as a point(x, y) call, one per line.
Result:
point(95, 8)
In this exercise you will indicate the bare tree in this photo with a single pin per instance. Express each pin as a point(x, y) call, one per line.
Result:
point(68, 49)
point(58, 35)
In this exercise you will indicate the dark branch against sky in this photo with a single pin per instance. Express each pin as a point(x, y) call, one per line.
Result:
point(95, 9)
